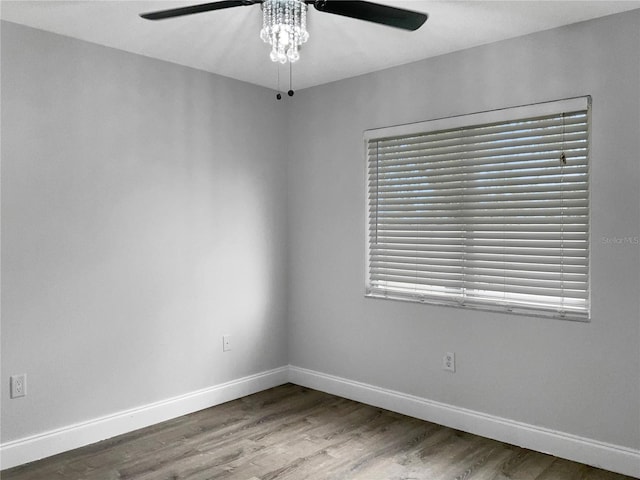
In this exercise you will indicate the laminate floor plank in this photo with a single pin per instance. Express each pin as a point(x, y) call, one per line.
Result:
point(295, 433)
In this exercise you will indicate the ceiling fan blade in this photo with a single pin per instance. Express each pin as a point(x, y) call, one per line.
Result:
point(374, 12)
point(205, 7)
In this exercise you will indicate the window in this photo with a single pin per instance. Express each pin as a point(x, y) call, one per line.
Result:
point(488, 211)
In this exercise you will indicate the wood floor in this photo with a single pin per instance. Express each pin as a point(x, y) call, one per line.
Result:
point(294, 433)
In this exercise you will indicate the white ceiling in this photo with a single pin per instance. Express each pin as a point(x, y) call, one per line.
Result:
point(227, 42)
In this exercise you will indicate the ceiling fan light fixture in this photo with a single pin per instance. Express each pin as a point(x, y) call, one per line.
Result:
point(284, 26)
point(284, 22)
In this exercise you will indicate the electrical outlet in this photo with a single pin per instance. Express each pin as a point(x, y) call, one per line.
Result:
point(18, 385)
point(226, 343)
point(449, 362)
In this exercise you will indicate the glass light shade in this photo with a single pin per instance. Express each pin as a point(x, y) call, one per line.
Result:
point(284, 26)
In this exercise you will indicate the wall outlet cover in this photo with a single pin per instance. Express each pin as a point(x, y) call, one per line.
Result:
point(449, 362)
point(18, 386)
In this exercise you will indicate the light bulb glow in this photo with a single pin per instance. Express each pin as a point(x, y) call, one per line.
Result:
point(284, 26)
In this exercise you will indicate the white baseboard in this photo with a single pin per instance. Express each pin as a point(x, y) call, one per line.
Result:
point(591, 452)
point(572, 447)
point(50, 443)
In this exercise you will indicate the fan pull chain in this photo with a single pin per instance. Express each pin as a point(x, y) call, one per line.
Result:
point(278, 95)
point(290, 92)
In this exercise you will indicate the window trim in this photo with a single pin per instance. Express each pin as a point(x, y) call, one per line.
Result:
point(467, 120)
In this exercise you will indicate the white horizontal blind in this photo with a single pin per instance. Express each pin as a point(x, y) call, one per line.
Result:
point(484, 215)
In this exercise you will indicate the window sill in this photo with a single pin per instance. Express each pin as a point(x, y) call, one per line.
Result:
point(573, 316)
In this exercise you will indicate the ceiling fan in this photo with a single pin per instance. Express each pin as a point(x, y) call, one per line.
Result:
point(285, 21)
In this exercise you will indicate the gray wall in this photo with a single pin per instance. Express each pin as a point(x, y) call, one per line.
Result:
point(143, 217)
point(580, 378)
